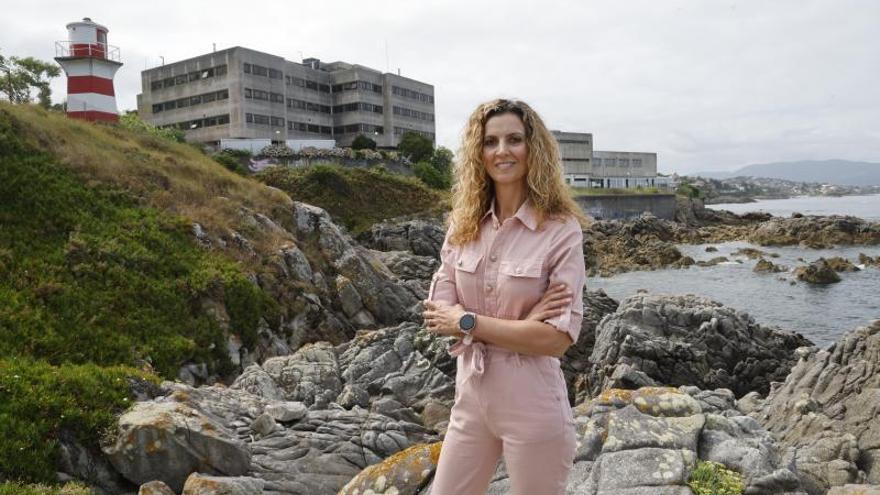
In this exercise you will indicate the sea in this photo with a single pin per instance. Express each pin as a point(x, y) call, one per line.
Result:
point(820, 313)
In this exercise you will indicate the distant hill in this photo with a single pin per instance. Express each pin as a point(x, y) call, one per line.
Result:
point(842, 172)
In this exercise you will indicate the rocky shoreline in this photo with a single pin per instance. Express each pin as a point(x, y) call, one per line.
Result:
point(353, 396)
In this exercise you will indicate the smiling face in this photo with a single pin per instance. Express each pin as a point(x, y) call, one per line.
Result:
point(505, 151)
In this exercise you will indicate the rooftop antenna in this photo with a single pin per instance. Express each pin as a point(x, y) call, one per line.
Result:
point(387, 63)
point(215, 46)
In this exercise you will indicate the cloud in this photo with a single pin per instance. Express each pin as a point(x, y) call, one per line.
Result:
point(706, 85)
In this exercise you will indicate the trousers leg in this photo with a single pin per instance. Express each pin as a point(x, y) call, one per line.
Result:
point(540, 467)
point(531, 414)
point(470, 450)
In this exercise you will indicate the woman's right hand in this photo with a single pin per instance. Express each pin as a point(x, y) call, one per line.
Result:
point(552, 303)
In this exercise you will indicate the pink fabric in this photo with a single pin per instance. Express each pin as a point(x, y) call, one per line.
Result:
point(509, 267)
point(518, 408)
point(506, 402)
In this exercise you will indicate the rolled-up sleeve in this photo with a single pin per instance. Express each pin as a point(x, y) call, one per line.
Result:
point(443, 282)
point(566, 265)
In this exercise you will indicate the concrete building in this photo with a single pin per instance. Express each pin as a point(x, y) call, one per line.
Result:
point(243, 93)
point(576, 152)
point(625, 169)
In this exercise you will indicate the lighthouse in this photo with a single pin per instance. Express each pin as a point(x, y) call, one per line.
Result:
point(90, 64)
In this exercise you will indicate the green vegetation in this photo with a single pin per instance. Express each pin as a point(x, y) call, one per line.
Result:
point(131, 120)
point(355, 197)
point(712, 478)
point(21, 489)
point(427, 173)
point(18, 76)
point(689, 191)
point(37, 400)
point(362, 142)
point(96, 279)
point(415, 147)
point(598, 191)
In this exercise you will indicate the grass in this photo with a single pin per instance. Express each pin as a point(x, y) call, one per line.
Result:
point(595, 191)
point(712, 478)
point(172, 177)
point(39, 489)
point(97, 278)
point(356, 197)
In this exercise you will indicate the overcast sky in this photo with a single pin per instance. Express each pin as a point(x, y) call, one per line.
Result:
point(706, 84)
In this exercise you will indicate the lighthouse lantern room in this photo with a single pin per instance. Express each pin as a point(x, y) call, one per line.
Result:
point(90, 64)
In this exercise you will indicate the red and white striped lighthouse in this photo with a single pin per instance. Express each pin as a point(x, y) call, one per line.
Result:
point(90, 64)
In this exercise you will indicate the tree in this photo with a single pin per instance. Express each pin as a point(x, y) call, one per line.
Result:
point(362, 142)
point(442, 159)
point(416, 147)
point(18, 76)
point(432, 177)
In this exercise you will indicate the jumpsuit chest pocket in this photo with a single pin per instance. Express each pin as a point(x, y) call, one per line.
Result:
point(522, 280)
point(466, 278)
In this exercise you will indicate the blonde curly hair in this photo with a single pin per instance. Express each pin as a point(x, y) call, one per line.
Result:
point(473, 189)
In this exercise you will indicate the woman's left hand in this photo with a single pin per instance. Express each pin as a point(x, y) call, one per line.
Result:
point(442, 319)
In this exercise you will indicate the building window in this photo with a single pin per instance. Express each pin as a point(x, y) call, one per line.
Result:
point(400, 131)
point(414, 95)
point(637, 162)
point(168, 82)
point(277, 122)
point(247, 68)
point(275, 74)
point(413, 114)
point(255, 118)
point(624, 162)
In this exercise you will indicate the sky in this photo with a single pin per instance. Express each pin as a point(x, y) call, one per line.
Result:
point(706, 84)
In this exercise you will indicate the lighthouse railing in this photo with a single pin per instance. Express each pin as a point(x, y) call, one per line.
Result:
point(67, 49)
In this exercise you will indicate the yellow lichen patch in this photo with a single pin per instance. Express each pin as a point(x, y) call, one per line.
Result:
point(656, 391)
point(434, 450)
point(614, 397)
point(408, 467)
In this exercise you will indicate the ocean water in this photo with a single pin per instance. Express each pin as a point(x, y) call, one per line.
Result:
point(820, 313)
point(867, 207)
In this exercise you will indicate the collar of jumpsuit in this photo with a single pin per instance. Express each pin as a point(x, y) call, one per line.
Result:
point(519, 253)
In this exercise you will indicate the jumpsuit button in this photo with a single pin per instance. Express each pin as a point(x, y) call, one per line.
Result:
point(459, 262)
point(488, 288)
point(518, 270)
point(493, 258)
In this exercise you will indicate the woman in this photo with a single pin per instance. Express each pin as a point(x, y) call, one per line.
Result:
point(510, 266)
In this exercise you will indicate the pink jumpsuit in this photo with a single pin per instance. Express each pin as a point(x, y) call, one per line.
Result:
point(509, 403)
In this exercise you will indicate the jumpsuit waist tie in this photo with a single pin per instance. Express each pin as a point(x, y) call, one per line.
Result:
point(473, 358)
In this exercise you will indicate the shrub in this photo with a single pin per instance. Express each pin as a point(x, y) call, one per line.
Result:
point(355, 197)
point(712, 478)
point(415, 147)
point(90, 276)
point(362, 142)
point(38, 400)
point(230, 162)
point(430, 176)
point(277, 151)
point(132, 122)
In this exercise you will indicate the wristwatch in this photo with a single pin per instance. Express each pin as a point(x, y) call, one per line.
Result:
point(466, 324)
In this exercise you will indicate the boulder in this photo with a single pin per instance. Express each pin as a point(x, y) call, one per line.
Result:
point(818, 272)
point(387, 301)
point(169, 440)
point(840, 264)
point(828, 412)
point(155, 488)
point(404, 473)
point(765, 266)
point(199, 484)
point(597, 304)
point(816, 231)
point(688, 340)
point(420, 237)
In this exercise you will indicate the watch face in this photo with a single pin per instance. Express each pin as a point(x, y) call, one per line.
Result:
point(467, 322)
